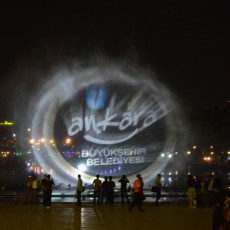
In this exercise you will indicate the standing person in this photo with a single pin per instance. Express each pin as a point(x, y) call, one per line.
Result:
point(191, 191)
point(97, 189)
point(43, 189)
point(35, 190)
point(217, 186)
point(217, 183)
point(218, 214)
point(199, 190)
point(137, 191)
point(210, 190)
point(227, 209)
point(29, 189)
point(157, 186)
point(79, 190)
point(48, 184)
point(124, 181)
point(104, 190)
point(110, 190)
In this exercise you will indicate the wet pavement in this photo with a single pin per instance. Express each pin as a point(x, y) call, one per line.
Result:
point(167, 216)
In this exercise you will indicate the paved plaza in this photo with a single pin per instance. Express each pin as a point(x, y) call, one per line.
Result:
point(168, 216)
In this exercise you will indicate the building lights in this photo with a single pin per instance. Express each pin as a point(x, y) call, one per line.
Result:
point(42, 140)
point(6, 123)
point(207, 158)
point(68, 141)
point(32, 141)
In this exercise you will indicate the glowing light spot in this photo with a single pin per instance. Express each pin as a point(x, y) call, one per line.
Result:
point(68, 141)
point(32, 141)
point(82, 167)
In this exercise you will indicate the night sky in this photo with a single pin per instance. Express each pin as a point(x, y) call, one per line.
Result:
point(187, 46)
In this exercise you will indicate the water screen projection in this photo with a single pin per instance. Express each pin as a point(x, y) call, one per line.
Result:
point(104, 119)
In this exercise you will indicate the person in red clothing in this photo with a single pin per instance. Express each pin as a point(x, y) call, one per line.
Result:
point(137, 191)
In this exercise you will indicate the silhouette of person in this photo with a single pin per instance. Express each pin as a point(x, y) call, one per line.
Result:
point(104, 190)
point(124, 181)
point(97, 189)
point(218, 214)
point(48, 184)
point(79, 190)
point(35, 190)
point(191, 191)
point(29, 188)
point(110, 191)
point(157, 185)
point(44, 189)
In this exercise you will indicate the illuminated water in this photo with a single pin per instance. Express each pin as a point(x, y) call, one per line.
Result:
point(105, 119)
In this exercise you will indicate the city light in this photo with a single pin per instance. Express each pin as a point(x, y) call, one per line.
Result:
point(208, 158)
point(6, 123)
point(32, 141)
point(42, 140)
point(68, 141)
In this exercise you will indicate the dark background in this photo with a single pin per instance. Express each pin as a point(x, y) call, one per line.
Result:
point(185, 43)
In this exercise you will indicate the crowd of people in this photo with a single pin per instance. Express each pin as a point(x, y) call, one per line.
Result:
point(33, 187)
point(104, 191)
point(200, 192)
point(213, 193)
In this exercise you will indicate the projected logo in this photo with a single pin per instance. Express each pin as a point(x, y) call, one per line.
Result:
point(103, 123)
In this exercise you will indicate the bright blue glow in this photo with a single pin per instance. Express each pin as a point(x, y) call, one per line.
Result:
point(96, 97)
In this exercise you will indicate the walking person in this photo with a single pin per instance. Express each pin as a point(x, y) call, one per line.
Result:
point(137, 191)
point(97, 189)
point(143, 197)
point(79, 190)
point(124, 181)
point(157, 187)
